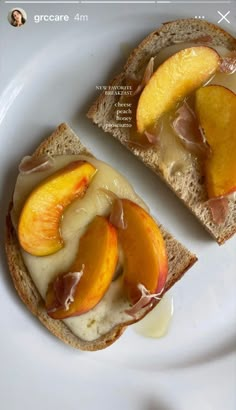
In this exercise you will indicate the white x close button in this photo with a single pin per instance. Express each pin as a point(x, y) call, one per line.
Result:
point(223, 17)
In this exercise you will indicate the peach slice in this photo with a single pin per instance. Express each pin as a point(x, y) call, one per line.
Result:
point(216, 111)
point(96, 260)
point(145, 257)
point(39, 223)
point(173, 80)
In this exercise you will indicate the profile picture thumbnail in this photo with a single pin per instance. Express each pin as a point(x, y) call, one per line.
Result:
point(17, 17)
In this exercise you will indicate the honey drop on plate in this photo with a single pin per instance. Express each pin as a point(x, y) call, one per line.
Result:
point(156, 323)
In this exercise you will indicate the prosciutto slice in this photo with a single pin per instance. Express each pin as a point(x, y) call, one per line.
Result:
point(64, 288)
point(146, 298)
point(153, 136)
point(219, 208)
point(117, 215)
point(29, 164)
point(204, 39)
point(187, 128)
point(228, 63)
point(146, 77)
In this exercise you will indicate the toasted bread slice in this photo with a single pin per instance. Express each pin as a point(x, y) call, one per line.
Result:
point(190, 187)
point(62, 141)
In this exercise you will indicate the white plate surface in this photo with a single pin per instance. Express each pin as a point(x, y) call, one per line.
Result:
point(49, 76)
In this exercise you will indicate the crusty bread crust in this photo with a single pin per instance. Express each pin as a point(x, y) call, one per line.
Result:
point(190, 187)
point(64, 141)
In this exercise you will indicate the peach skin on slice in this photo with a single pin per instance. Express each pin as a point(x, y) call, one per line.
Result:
point(145, 257)
point(39, 223)
point(216, 111)
point(173, 80)
point(96, 260)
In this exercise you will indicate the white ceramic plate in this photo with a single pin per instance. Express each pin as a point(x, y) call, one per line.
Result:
point(49, 76)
